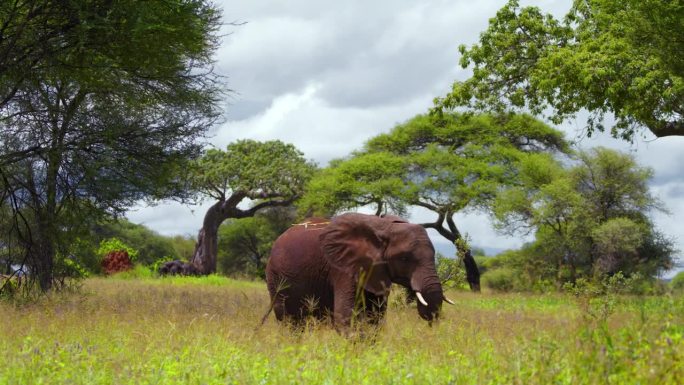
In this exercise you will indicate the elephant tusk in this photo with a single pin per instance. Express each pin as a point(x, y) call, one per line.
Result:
point(421, 299)
point(447, 300)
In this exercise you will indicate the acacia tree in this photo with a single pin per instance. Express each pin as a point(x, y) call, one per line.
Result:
point(606, 56)
point(267, 174)
point(110, 108)
point(589, 220)
point(446, 166)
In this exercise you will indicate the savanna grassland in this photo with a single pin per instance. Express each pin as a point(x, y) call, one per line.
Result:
point(206, 331)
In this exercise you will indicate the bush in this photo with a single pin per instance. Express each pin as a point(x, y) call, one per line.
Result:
point(114, 244)
point(70, 268)
point(116, 256)
point(677, 283)
point(500, 279)
point(116, 261)
point(614, 284)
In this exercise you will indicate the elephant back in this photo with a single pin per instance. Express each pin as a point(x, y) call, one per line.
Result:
point(298, 246)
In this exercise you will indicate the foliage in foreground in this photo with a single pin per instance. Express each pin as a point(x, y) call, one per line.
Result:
point(167, 331)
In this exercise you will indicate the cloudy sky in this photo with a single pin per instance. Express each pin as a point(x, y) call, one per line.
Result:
point(327, 76)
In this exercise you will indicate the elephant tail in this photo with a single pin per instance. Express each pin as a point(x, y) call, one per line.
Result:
point(280, 285)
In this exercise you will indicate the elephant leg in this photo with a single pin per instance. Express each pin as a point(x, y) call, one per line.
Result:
point(288, 306)
point(279, 307)
point(344, 306)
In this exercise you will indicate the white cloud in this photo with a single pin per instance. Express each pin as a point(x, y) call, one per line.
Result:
point(169, 218)
point(320, 130)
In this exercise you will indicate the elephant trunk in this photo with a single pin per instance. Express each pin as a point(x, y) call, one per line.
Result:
point(430, 296)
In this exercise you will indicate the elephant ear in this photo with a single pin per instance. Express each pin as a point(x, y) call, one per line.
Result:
point(355, 243)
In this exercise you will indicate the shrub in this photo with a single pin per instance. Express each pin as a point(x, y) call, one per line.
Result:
point(116, 256)
point(114, 244)
point(677, 283)
point(116, 261)
point(500, 279)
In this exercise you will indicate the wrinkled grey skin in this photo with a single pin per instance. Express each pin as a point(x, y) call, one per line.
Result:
point(325, 261)
point(177, 268)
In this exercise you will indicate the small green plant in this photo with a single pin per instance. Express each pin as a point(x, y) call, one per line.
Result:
point(69, 267)
point(451, 273)
point(137, 272)
point(10, 286)
point(614, 284)
point(597, 300)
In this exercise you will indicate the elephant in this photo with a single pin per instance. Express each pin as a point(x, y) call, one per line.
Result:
point(177, 267)
point(345, 266)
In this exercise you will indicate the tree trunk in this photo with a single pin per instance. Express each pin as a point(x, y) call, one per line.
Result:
point(42, 253)
point(206, 248)
point(451, 233)
point(44, 265)
point(472, 272)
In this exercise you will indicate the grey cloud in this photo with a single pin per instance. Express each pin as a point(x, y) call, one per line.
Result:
point(675, 190)
point(239, 109)
point(361, 53)
point(320, 130)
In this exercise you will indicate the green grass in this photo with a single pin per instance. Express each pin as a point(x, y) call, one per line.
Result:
point(206, 331)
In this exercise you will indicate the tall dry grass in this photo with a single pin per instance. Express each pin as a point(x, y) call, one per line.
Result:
point(206, 331)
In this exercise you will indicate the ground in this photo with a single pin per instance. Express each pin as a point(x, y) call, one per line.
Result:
point(206, 331)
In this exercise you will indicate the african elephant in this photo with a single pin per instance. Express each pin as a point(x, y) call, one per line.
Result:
point(327, 262)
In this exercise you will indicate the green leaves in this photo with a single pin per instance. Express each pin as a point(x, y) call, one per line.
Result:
point(606, 56)
point(461, 160)
point(376, 179)
point(257, 170)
